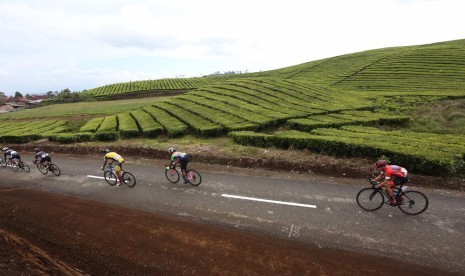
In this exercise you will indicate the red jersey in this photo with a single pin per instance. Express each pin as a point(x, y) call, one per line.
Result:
point(394, 170)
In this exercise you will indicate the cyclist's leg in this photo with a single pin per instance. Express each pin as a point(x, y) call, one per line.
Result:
point(399, 182)
point(390, 192)
point(18, 159)
point(45, 161)
point(118, 172)
point(184, 169)
point(15, 160)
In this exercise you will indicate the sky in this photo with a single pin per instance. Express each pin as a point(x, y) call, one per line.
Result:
point(51, 45)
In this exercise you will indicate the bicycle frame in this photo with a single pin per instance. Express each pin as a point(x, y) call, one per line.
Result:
point(127, 178)
point(399, 191)
point(173, 175)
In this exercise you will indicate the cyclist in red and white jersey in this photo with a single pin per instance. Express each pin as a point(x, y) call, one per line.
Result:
point(393, 176)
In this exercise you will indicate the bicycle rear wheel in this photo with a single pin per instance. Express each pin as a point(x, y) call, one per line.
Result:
point(414, 203)
point(54, 169)
point(2, 162)
point(129, 179)
point(194, 177)
point(110, 177)
point(25, 167)
point(370, 199)
point(172, 175)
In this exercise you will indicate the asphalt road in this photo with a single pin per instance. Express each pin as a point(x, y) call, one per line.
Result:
point(320, 213)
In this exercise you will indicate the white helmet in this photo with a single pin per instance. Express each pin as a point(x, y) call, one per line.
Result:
point(171, 150)
point(5, 148)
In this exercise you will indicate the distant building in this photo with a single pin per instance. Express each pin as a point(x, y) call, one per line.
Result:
point(6, 108)
point(21, 104)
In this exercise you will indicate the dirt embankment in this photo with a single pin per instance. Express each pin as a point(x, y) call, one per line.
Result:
point(49, 234)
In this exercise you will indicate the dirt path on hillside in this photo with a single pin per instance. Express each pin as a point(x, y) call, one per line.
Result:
point(43, 233)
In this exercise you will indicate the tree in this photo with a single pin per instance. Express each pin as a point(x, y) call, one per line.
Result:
point(18, 95)
point(50, 94)
point(2, 98)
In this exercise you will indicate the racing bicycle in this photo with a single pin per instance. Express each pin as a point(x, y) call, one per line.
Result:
point(173, 175)
point(15, 166)
point(46, 167)
point(111, 177)
point(408, 201)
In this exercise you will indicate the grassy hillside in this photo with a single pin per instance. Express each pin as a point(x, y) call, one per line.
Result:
point(389, 89)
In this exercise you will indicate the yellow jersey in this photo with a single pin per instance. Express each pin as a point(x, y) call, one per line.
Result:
point(114, 156)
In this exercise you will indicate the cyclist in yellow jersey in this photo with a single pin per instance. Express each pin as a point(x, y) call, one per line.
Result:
point(114, 157)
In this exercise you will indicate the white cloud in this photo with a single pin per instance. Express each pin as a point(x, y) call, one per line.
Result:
point(51, 44)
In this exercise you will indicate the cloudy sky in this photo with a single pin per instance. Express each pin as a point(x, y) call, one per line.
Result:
point(50, 45)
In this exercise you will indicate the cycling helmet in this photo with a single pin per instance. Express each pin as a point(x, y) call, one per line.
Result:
point(37, 150)
point(381, 163)
point(5, 148)
point(105, 151)
point(171, 150)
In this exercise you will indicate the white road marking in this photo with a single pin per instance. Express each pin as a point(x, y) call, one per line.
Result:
point(93, 176)
point(269, 201)
point(98, 177)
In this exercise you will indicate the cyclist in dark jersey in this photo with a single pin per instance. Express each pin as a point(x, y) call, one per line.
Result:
point(12, 155)
point(41, 156)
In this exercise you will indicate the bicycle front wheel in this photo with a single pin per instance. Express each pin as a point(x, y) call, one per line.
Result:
point(129, 179)
point(25, 167)
point(12, 166)
point(370, 199)
point(42, 168)
point(172, 175)
point(413, 203)
point(2, 162)
point(54, 169)
point(110, 177)
point(194, 177)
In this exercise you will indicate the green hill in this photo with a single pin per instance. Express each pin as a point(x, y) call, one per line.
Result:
point(384, 88)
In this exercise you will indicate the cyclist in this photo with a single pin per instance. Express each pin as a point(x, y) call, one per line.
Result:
point(113, 157)
point(179, 157)
point(12, 155)
point(393, 176)
point(42, 157)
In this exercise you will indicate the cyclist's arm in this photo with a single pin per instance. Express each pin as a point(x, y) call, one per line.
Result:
point(381, 176)
point(174, 161)
point(105, 163)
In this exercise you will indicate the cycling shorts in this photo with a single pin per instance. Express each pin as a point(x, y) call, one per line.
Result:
point(118, 166)
point(46, 159)
point(184, 163)
point(396, 181)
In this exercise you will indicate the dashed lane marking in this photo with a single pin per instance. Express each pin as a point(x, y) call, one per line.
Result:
point(269, 201)
point(93, 176)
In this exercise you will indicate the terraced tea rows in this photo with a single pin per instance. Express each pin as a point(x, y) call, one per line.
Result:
point(22, 132)
point(424, 153)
